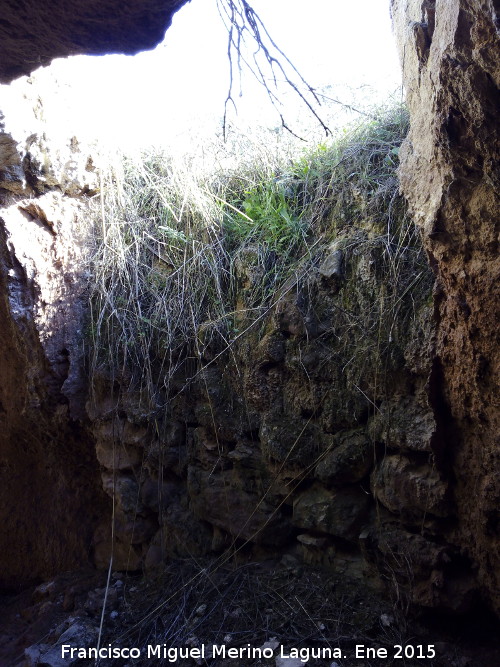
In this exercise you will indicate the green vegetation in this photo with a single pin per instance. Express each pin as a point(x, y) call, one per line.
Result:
point(175, 243)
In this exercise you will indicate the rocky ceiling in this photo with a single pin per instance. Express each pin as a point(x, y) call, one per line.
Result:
point(32, 33)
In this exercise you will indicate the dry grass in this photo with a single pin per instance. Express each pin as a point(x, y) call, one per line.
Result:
point(169, 235)
point(192, 603)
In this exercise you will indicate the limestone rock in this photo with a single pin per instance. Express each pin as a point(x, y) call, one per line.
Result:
point(429, 573)
point(170, 451)
point(406, 423)
point(230, 464)
point(289, 318)
point(291, 441)
point(272, 348)
point(222, 500)
point(134, 529)
point(124, 488)
point(332, 267)
point(12, 176)
point(67, 167)
point(311, 540)
point(44, 591)
point(134, 434)
point(159, 495)
point(117, 456)
point(32, 654)
point(350, 459)
point(410, 489)
point(339, 513)
point(80, 634)
point(48, 253)
point(288, 662)
point(44, 441)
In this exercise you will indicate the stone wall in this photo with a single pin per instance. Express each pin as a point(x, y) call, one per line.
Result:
point(314, 435)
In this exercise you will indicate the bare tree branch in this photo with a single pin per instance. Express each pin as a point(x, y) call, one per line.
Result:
point(243, 22)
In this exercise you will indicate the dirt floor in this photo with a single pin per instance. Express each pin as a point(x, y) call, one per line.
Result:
point(256, 614)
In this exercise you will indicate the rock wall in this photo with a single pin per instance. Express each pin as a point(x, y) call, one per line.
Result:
point(50, 494)
point(33, 33)
point(314, 435)
point(449, 173)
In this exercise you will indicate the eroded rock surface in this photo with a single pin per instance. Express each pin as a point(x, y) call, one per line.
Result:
point(33, 33)
point(50, 495)
point(449, 172)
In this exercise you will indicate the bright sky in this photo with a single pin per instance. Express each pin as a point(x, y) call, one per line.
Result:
point(182, 84)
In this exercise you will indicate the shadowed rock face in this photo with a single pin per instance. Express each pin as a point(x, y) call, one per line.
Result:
point(33, 33)
point(50, 491)
point(449, 173)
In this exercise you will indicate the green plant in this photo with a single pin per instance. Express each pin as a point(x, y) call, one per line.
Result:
point(275, 219)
